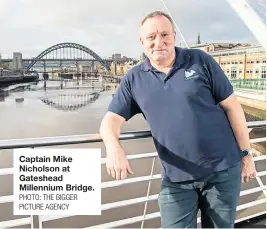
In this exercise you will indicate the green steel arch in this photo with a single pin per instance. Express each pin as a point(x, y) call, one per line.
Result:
point(68, 45)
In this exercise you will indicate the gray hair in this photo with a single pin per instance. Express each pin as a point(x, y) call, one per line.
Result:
point(158, 13)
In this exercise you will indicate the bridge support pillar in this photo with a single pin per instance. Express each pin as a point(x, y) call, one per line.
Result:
point(45, 84)
point(44, 66)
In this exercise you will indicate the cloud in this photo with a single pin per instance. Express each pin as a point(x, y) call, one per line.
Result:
point(107, 27)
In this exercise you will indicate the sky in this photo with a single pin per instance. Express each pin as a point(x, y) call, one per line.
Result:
point(112, 26)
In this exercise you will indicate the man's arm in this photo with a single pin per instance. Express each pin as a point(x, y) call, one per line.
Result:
point(121, 109)
point(237, 120)
point(117, 164)
point(110, 129)
point(238, 123)
point(223, 93)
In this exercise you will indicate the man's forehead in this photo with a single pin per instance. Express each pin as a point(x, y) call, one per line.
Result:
point(156, 24)
point(154, 30)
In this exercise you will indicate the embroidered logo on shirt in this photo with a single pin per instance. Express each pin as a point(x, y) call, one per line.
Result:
point(190, 74)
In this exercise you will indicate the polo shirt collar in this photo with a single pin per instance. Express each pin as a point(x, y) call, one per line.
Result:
point(182, 56)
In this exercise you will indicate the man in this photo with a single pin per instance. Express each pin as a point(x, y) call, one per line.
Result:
point(198, 127)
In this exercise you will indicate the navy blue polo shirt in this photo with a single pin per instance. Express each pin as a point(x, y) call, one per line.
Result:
point(191, 132)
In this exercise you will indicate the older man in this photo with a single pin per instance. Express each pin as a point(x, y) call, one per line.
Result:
point(198, 127)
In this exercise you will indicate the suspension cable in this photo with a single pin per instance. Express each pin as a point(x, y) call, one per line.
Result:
point(175, 24)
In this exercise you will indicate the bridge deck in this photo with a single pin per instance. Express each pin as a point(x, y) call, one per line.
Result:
point(126, 208)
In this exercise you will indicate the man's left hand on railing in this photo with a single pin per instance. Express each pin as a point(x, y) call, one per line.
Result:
point(248, 171)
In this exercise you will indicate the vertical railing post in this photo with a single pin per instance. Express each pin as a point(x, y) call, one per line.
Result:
point(40, 222)
point(32, 222)
point(148, 191)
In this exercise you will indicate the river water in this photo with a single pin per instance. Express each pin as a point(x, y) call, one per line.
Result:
point(45, 113)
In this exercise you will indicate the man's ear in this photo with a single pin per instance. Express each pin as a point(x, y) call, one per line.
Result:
point(141, 40)
point(140, 36)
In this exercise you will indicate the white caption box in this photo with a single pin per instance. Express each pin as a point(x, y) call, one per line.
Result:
point(57, 181)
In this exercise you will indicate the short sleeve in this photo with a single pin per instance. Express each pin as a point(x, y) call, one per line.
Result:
point(220, 84)
point(123, 102)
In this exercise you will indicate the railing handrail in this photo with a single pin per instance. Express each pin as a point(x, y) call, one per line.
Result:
point(248, 80)
point(83, 138)
point(66, 140)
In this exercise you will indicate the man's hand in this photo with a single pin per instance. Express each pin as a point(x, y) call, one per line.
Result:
point(117, 164)
point(248, 169)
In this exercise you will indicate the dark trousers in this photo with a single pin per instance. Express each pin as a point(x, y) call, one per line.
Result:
point(215, 196)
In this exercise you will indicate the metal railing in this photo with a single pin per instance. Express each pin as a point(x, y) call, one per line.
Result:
point(255, 84)
point(78, 139)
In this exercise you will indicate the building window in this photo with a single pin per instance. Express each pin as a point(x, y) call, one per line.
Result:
point(233, 72)
point(264, 61)
point(241, 62)
point(256, 70)
point(257, 61)
point(263, 72)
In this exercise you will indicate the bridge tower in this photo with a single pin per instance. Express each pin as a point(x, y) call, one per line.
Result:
point(198, 38)
point(17, 61)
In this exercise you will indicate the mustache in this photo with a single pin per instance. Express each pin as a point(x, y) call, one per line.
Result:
point(159, 50)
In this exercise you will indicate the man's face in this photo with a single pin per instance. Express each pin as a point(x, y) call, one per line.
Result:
point(158, 38)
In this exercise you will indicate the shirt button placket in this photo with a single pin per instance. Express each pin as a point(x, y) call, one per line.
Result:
point(166, 82)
